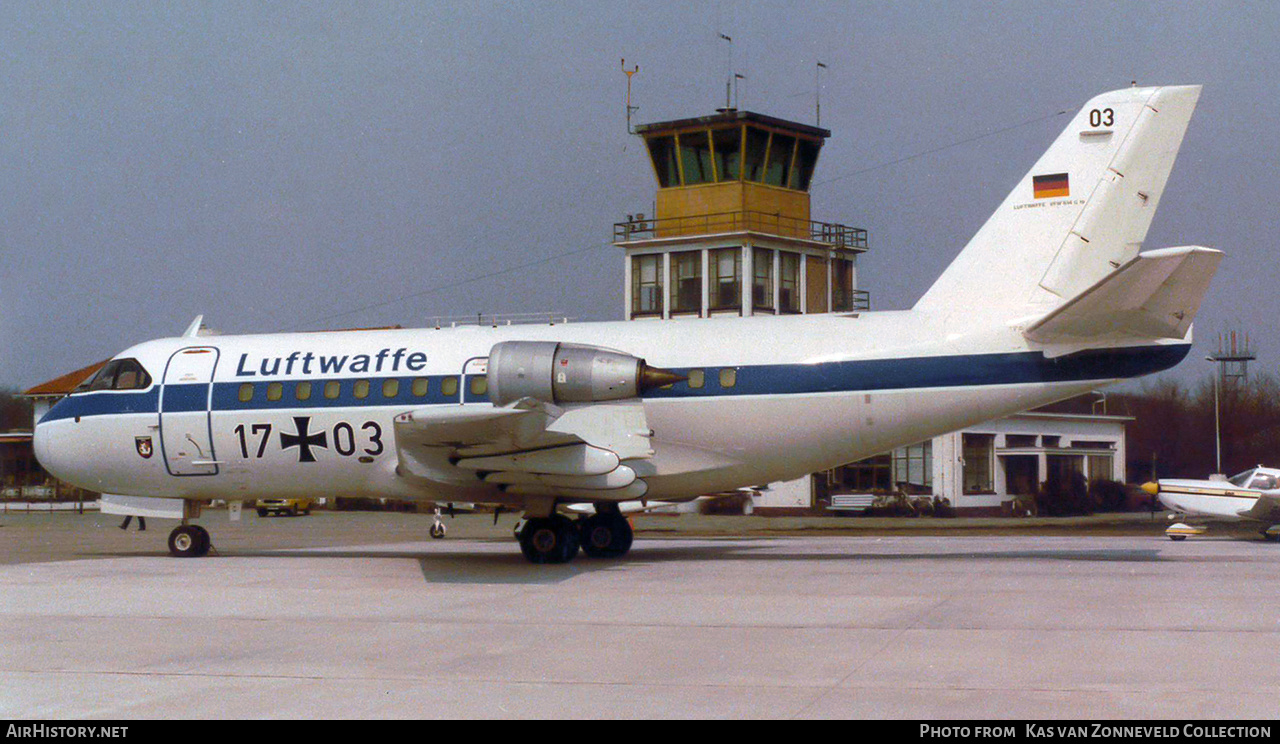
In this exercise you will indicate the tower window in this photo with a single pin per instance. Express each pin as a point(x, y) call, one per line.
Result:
point(728, 147)
point(646, 285)
point(686, 282)
point(663, 152)
point(726, 279)
point(753, 159)
point(789, 282)
point(762, 278)
point(781, 151)
point(695, 157)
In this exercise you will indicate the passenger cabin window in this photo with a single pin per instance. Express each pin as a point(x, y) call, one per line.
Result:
point(390, 388)
point(117, 374)
point(728, 378)
point(302, 391)
point(360, 389)
point(420, 387)
point(246, 392)
point(275, 391)
point(478, 385)
point(332, 389)
point(449, 387)
point(697, 378)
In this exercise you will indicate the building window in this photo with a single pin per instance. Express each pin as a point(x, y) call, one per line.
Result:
point(390, 388)
point(753, 158)
point(841, 284)
point(913, 466)
point(789, 282)
point(695, 157)
point(1101, 467)
point(686, 282)
point(646, 285)
point(726, 279)
point(979, 456)
point(332, 389)
point(420, 387)
point(781, 151)
point(806, 159)
point(663, 152)
point(246, 392)
point(728, 147)
point(871, 474)
point(302, 391)
point(762, 279)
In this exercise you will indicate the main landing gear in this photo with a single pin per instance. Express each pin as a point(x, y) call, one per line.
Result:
point(556, 538)
point(189, 541)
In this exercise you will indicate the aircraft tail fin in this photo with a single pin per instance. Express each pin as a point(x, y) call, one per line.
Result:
point(1080, 213)
point(1154, 296)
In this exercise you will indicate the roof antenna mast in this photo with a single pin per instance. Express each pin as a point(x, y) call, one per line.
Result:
point(630, 109)
point(817, 94)
point(728, 83)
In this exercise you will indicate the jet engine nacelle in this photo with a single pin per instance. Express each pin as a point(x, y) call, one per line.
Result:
point(568, 373)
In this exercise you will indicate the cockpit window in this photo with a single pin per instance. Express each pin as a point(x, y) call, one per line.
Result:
point(1239, 479)
point(118, 374)
point(1263, 482)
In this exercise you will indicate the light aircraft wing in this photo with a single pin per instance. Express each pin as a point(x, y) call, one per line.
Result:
point(528, 448)
point(1153, 296)
point(1266, 509)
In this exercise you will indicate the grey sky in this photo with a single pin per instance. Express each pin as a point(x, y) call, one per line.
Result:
point(278, 166)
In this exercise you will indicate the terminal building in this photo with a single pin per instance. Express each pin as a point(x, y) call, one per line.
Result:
point(732, 234)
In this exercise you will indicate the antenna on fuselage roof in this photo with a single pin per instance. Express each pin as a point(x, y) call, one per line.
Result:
point(193, 330)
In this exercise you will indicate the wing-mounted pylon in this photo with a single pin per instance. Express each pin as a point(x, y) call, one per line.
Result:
point(563, 421)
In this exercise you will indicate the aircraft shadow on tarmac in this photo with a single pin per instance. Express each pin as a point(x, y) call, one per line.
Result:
point(476, 567)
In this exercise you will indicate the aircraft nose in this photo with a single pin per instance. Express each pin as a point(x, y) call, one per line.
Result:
point(1151, 488)
point(53, 450)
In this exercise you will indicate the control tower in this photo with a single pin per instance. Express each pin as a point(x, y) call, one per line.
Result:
point(732, 233)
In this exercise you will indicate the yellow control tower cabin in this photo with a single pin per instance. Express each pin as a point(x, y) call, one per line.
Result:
point(732, 233)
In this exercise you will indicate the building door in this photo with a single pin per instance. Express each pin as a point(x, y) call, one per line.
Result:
point(816, 279)
point(186, 438)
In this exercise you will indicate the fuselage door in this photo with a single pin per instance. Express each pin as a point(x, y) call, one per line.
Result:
point(186, 438)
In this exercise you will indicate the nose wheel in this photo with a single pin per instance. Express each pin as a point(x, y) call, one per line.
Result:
point(189, 541)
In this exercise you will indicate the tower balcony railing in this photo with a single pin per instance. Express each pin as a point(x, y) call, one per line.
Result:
point(837, 236)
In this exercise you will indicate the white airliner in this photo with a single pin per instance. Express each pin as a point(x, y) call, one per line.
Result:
point(1051, 298)
point(1253, 496)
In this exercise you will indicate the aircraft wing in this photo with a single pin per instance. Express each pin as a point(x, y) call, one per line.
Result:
point(1266, 509)
point(1155, 295)
point(528, 448)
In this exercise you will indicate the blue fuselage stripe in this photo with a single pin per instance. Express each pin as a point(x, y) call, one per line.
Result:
point(771, 379)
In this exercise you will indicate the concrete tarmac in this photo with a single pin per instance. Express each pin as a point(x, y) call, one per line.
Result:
point(363, 616)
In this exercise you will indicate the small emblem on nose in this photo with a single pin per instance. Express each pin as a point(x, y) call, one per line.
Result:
point(144, 446)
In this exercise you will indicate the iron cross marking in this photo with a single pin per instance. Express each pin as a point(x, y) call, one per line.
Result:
point(303, 440)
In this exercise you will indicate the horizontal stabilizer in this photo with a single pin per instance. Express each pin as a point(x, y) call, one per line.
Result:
point(1155, 295)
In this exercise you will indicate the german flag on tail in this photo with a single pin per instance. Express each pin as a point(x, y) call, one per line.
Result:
point(1052, 185)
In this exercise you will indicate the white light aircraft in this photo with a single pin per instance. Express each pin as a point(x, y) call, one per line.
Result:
point(1053, 297)
point(1253, 495)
